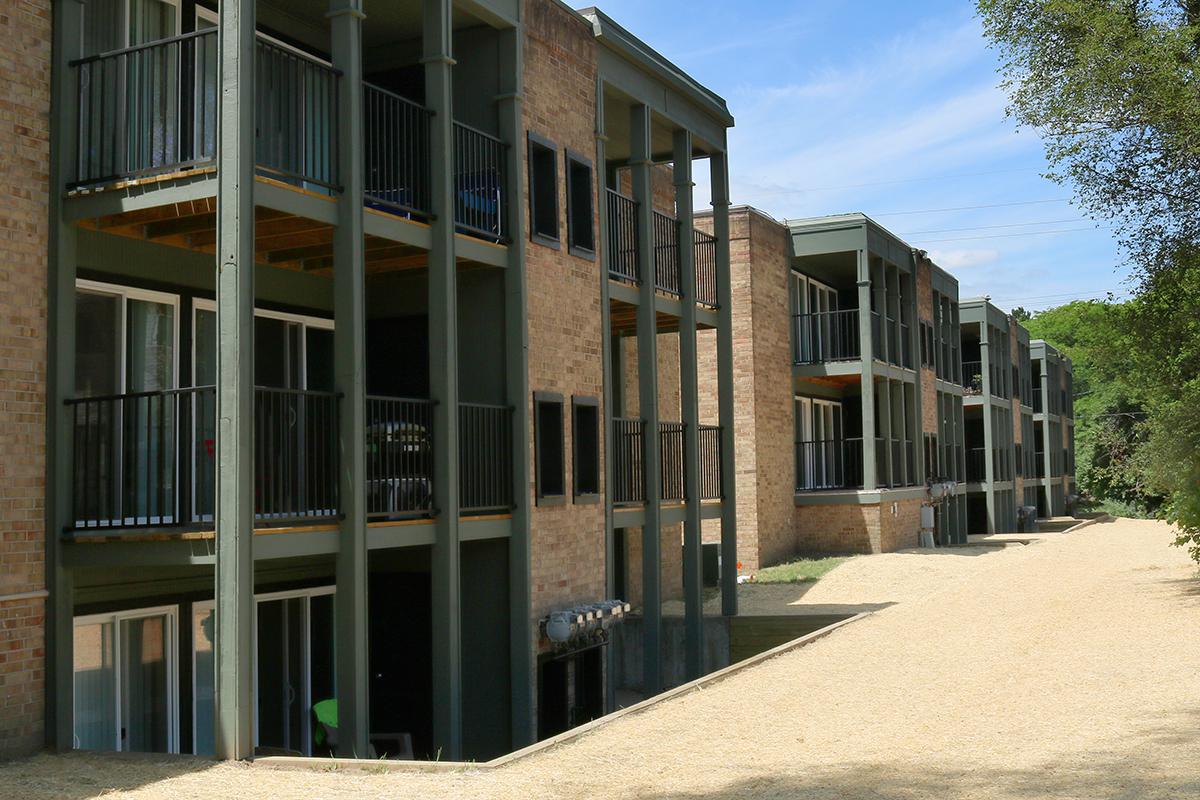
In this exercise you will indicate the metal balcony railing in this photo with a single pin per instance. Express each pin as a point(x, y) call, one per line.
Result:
point(152, 109)
point(973, 377)
point(396, 141)
point(479, 201)
point(826, 336)
point(706, 269)
point(485, 477)
point(830, 464)
point(666, 255)
point(712, 486)
point(399, 457)
point(628, 468)
point(1037, 399)
point(622, 250)
point(148, 459)
point(976, 464)
point(671, 456)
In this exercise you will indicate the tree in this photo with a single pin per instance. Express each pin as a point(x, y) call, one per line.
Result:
point(1113, 88)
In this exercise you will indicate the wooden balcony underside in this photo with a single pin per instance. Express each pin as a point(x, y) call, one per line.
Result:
point(282, 240)
point(623, 320)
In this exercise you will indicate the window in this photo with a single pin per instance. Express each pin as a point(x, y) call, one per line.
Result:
point(928, 345)
point(581, 238)
point(126, 681)
point(585, 437)
point(548, 435)
point(543, 191)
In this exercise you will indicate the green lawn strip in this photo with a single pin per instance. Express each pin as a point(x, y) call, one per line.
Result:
point(804, 570)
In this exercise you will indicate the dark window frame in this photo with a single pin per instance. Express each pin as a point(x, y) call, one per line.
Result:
point(543, 151)
point(571, 160)
point(577, 403)
point(559, 497)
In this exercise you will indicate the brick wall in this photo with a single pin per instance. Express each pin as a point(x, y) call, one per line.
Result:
point(763, 414)
point(864, 529)
point(24, 232)
point(565, 333)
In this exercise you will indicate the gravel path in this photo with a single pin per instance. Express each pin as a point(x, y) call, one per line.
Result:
point(1067, 668)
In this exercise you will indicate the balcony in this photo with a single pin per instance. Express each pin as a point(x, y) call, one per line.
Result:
point(828, 465)
point(629, 471)
point(826, 337)
point(148, 460)
point(973, 377)
point(622, 251)
point(976, 464)
point(151, 110)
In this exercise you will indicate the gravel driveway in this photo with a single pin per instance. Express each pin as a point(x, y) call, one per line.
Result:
point(1068, 668)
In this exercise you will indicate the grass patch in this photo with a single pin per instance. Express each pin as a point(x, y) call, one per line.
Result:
point(804, 570)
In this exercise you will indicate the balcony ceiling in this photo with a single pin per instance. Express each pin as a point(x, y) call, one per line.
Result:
point(387, 21)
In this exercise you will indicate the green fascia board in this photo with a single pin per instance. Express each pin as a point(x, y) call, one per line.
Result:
point(853, 231)
point(646, 58)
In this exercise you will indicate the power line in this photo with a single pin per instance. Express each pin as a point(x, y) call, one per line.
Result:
point(992, 227)
point(1010, 235)
point(1079, 295)
point(972, 208)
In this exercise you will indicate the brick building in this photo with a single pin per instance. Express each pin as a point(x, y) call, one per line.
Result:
point(366, 394)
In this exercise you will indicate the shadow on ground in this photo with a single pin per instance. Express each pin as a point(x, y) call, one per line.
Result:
point(82, 776)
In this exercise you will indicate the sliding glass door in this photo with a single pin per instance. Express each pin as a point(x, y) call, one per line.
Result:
point(820, 443)
point(126, 681)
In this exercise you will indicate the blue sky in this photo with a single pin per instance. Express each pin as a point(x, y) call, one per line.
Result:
point(892, 109)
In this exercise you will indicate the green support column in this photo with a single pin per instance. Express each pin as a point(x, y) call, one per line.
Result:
point(989, 424)
point(868, 347)
point(60, 670)
point(640, 165)
point(719, 178)
point(521, 637)
point(689, 391)
point(349, 346)
point(235, 384)
point(613, 376)
point(443, 385)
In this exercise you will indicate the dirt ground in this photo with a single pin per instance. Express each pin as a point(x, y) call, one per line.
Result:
point(1067, 668)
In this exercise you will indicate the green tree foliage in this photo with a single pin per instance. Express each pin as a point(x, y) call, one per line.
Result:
point(1113, 88)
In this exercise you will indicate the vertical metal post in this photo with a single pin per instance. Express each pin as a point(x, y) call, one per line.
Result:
point(521, 642)
point(59, 636)
point(349, 345)
point(719, 170)
point(693, 565)
point(869, 348)
point(640, 166)
point(989, 428)
point(235, 384)
point(443, 384)
point(613, 379)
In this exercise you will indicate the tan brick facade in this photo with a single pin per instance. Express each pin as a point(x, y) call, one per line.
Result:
point(762, 367)
point(565, 333)
point(24, 230)
point(853, 528)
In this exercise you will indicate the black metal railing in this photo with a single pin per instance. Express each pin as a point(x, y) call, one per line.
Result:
point(906, 348)
point(910, 462)
point(711, 484)
point(976, 464)
point(479, 202)
point(148, 459)
point(706, 269)
point(671, 458)
point(152, 109)
point(973, 377)
point(399, 457)
point(628, 467)
point(1040, 463)
point(396, 157)
point(877, 336)
point(296, 101)
point(893, 347)
point(666, 254)
point(830, 464)
point(295, 455)
point(147, 109)
point(622, 251)
point(826, 336)
point(1037, 399)
point(485, 478)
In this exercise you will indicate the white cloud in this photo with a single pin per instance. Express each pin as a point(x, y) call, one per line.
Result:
point(962, 258)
